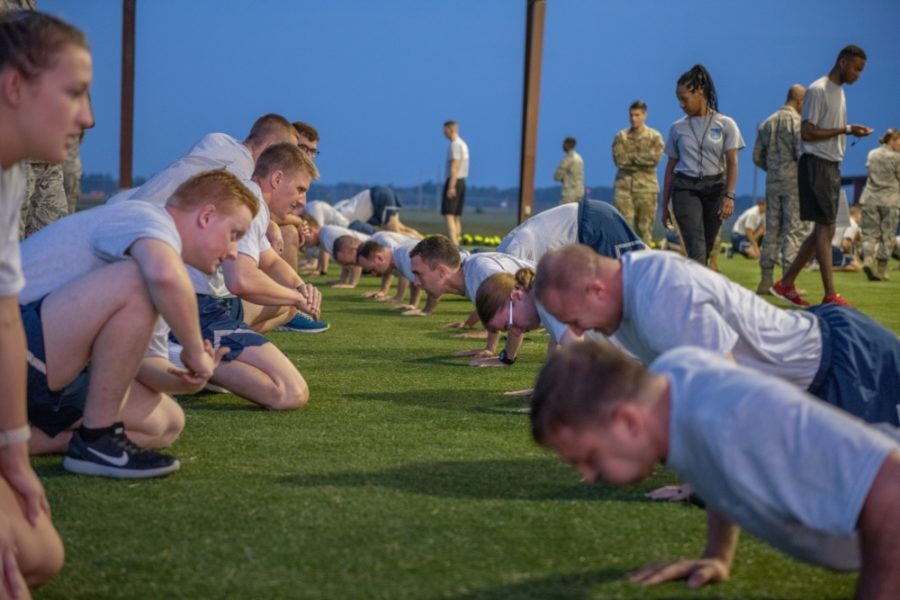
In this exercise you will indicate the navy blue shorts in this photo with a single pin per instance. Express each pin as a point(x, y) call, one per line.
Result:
point(839, 259)
point(740, 243)
point(50, 411)
point(222, 323)
point(385, 203)
point(604, 229)
point(860, 368)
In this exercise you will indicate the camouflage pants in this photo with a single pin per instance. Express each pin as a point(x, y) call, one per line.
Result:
point(878, 226)
point(45, 197)
point(72, 178)
point(784, 229)
point(638, 208)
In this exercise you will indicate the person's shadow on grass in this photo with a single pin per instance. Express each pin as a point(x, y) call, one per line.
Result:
point(536, 479)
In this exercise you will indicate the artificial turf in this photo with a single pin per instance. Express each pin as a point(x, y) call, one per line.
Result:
point(408, 475)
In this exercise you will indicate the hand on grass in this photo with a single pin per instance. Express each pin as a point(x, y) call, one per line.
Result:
point(491, 361)
point(472, 335)
point(414, 312)
point(479, 353)
point(343, 286)
point(455, 325)
point(698, 572)
point(671, 493)
point(370, 294)
point(15, 468)
point(520, 393)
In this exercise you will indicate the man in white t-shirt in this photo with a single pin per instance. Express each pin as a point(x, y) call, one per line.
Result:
point(593, 222)
point(373, 207)
point(258, 291)
point(440, 269)
point(346, 252)
point(748, 230)
point(384, 259)
point(799, 475)
point(454, 195)
point(655, 301)
point(823, 131)
point(96, 282)
point(325, 238)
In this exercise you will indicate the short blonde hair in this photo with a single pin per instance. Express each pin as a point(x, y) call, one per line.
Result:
point(285, 157)
point(217, 187)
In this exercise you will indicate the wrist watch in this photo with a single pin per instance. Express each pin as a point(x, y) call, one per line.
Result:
point(729, 195)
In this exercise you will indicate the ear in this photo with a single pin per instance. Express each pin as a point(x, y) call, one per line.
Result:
point(628, 418)
point(12, 86)
point(276, 178)
point(205, 215)
point(517, 294)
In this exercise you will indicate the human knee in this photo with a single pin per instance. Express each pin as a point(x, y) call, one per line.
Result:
point(291, 396)
point(50, 560)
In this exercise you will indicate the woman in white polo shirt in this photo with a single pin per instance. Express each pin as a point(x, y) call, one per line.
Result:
point(702, 171)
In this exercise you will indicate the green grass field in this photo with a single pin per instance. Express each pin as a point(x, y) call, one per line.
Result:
point(409, 475)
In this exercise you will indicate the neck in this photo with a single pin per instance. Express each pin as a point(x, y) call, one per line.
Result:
point(253, 148)
point(456, 283)
point(638, 128)
point(660, 414)
point(8, 155)
point(835, 75)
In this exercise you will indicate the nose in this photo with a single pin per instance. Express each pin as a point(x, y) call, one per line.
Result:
point(85, 114)
point(232, 251)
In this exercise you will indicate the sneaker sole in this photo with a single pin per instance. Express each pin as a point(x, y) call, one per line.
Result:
point(85, 467)
point(293, 330)
point(785, 298)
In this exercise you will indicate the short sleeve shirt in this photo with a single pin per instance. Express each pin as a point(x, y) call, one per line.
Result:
point(789, 469)
point(825, 107)
point(329, 233)
point(478, 267)
point(401, 260)
point(392, 239)
point(458, 150)
point(670, 301)
point(12, 195)
point(76, 245)
point(325, 214)
point(699, 143)
point(751, 219)
point(357, 208)
point(544, 231)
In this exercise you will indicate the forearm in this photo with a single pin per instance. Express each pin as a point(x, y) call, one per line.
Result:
point(279, 270)
point(492, 339)
point(667, 182)
point(731, 171)
point(721, 538)
point(513, 343)
point(175, 300)
point(154, 374)
point(879, 533)
point(454, 171)
point(430, 304)
point(386, 281)
point(811, 133)
point(12, 365)
point(258, 288)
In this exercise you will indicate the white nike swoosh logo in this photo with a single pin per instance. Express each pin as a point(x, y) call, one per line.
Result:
point(119, 461)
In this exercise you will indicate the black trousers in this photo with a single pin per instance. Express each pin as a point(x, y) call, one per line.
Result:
point(695, 204)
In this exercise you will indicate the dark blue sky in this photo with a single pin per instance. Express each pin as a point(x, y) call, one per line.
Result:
point(378, 78)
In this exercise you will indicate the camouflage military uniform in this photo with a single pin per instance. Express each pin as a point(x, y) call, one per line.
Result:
point(571, 173)
point(880, 205)
point(637, 187)
point(72, 177)
point(45, 197)
point(776, 153)
point(17, 5)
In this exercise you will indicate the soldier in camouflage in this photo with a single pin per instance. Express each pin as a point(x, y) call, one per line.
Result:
point(636, 151)
point(570, 172)
point(776, 152)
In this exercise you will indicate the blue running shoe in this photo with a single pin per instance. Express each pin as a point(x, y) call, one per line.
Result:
point(114, 455)
point(302, 323)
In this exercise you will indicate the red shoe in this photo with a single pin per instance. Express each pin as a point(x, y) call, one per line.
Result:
point(789, 294)
point(836, 299)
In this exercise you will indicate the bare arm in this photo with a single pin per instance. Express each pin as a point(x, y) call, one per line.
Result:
point(879, 533)
point(245, 279)
point(15, 466)
point(811, 133)
point(454, 175)
point(173, 296)
point(731, 175)
point(272, 264)
point(668, 178)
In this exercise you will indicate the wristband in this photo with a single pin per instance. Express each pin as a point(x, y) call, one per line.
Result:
point(505, 358)
point(15, 436)
point(729, 195)
point(848, 130)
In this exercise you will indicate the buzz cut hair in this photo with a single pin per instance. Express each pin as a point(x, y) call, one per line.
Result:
point(638, 105)
point(285, 157)
point(852, 51)
point(437, 250)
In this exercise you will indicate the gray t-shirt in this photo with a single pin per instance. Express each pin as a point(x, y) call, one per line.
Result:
point(214, 151)
point(329, 233)
point(478, 267)
point(791, 470)
point(458, 150)
point(12, 195)
point(401, 260)
point(357, 208)
point(700, 143)
point(544, 231)
point(825, 107)
point(325, 214)
point(392, 239)
point(78, 244)
point(670, 301)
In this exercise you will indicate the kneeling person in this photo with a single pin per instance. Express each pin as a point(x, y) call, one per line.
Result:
point(96, 282)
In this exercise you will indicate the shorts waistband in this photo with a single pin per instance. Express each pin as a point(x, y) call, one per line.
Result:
point(715, 177)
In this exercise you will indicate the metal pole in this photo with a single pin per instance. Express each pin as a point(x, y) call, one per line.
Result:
point(534, 46)
point(126, 134)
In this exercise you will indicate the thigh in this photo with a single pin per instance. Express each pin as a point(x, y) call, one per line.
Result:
point(73, 316)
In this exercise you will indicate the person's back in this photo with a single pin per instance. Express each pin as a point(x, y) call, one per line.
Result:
point(790, 469)
point(478, 267)
point(325, 214)
point(548, 229)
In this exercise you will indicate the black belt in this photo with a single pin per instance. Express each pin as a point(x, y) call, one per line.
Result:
point(701, 178)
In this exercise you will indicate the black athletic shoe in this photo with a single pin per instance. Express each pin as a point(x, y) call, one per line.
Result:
point(114, 455)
